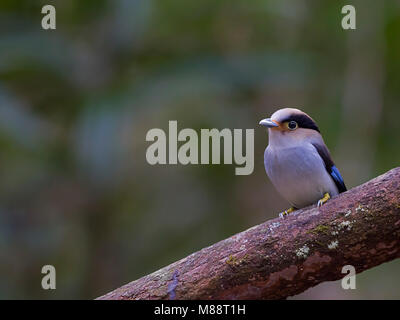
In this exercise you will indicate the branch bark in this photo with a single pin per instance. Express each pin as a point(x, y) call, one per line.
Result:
point(284, 257)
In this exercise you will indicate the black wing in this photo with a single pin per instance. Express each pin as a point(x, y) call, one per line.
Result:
point(330, 167)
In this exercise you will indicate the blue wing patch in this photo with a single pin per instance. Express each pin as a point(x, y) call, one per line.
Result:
point(330, 167)
point(335, 174)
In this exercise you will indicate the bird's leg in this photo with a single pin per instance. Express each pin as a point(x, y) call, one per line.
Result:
point(286, 212)
point(324, 199)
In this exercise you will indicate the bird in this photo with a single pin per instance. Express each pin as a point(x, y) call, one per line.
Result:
point(298, 162)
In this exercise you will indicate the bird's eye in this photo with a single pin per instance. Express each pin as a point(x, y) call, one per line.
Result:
point(292, 125)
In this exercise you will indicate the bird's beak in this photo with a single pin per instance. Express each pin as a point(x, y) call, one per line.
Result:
point(269, 123)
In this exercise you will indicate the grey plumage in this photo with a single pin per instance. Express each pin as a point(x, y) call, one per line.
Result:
point(297, 161)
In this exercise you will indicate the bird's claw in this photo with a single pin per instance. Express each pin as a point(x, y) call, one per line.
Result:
point(286, 212)
point(324, 199)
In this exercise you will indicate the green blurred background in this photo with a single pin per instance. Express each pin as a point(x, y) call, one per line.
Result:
point(76, 104)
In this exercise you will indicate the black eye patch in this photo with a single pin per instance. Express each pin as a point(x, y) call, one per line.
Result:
point(303, 121)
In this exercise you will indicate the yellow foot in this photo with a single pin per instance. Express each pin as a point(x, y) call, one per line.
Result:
point(286, 212)
point(324, 199)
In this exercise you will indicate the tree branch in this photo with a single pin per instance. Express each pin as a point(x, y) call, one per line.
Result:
point(284, 257)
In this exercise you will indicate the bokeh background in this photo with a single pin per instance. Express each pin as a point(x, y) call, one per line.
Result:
point(76, 104)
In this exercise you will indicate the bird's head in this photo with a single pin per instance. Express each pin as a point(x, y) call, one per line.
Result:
point(290, 124)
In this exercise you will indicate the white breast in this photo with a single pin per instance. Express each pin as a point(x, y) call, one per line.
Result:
point(299, 174)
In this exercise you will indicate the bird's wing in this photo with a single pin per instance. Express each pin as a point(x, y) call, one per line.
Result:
point(330, 166)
